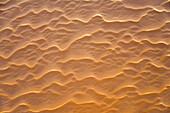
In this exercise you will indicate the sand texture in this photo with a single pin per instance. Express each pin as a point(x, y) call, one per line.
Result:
point(84, 56)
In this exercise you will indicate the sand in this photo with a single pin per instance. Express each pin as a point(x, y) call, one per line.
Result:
point(84, 56)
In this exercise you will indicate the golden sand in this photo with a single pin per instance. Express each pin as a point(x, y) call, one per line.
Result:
point(84, 56)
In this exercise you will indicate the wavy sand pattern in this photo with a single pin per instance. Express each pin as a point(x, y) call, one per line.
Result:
point(84, 56)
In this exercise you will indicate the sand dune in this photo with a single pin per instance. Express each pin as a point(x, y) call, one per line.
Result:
point(84, 56)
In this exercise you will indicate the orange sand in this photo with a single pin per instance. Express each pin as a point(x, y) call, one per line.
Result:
point(85, 56)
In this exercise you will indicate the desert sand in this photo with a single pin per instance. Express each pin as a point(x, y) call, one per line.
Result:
point(84, 56)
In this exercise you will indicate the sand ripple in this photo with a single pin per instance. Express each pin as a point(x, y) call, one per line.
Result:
point(84, 56)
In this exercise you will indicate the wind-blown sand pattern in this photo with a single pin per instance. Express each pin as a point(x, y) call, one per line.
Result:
point(84, 56)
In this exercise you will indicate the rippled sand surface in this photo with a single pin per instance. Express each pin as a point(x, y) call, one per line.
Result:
point(84, 56)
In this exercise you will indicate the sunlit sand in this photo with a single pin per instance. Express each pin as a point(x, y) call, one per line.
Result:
point(84, 56)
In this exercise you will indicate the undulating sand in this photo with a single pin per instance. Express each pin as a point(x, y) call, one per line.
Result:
point(84, 56)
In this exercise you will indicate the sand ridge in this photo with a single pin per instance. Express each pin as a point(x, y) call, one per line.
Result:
point(84, 56)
